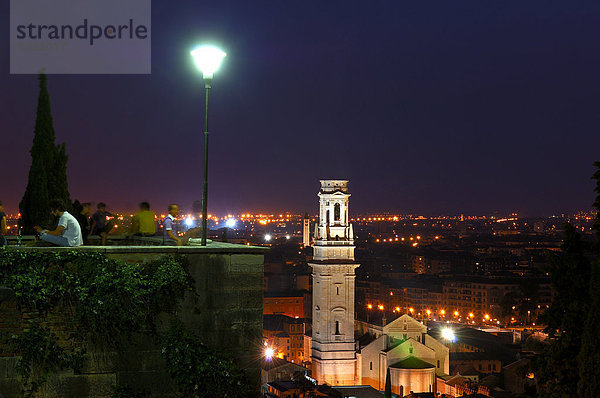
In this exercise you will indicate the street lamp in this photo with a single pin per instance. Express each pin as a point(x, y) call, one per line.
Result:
point(207, 60)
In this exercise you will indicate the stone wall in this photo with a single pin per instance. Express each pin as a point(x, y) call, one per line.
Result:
point(225, 311)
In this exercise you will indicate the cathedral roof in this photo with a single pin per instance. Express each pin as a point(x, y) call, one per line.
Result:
point(412, 363)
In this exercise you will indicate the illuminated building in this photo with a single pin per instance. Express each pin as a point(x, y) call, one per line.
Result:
point(333, 345)
point(415, 358)
point(306, 231)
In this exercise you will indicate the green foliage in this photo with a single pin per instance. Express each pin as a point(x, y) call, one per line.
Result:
point(556, 368)
point(198, 371)
point(589, 355)
point(41, 356)
point(128, 392)
point(568, 367)
point(107, 300)
point(48, 170)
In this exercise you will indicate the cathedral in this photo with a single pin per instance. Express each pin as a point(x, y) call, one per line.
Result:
point(414, 358)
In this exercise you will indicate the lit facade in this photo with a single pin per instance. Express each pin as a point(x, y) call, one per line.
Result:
point(306, 231)
point(333, 345)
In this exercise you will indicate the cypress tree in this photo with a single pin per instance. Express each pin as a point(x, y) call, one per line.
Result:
point(388, 385)
point(48, 170)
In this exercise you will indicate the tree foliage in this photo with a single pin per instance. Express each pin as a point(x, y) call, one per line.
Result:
point(48, 170)
point(198, 371)
point(104, 300)
point(568, 366)
point(589, 355)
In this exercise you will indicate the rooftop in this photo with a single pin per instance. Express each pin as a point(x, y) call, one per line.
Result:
point(412, 363)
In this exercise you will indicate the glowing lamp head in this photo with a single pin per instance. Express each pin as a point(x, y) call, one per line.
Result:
point(448, 334)
point(189, 222)
point(207, 59)
point(267, 237)
point(269, 353)
point(230, 223)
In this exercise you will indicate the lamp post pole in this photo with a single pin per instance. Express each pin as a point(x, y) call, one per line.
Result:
point(207, 87)
point(207, 59)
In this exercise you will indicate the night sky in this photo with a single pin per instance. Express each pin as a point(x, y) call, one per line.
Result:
point(432, 107)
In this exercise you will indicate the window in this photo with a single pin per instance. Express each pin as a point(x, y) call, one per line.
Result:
point(370, 365)
point(337, 327)
point(438, 363)
point(336, 212)
point(410, 350)
point(337, 289)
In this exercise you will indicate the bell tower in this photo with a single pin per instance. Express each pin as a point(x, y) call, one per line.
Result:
point(333, 346)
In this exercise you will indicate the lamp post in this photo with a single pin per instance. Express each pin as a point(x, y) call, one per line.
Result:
point(207, 60)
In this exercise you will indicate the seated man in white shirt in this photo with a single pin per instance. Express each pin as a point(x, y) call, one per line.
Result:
point(68, 231)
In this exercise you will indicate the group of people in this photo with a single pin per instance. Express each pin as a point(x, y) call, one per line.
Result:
point(74, 230)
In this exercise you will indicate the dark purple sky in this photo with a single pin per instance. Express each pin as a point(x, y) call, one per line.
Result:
point(427, 107)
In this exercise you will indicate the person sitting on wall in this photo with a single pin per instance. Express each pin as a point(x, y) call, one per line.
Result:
point(101, 223)
point(68, 231)
point(169, 226)
point(3, 226)
point(143, 223)
point(82, 212)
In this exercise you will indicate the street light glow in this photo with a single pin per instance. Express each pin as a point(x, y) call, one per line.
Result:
point(267, 237)
point(207, 59)
point(269, 353)
point(230, 223)
point(448, 334)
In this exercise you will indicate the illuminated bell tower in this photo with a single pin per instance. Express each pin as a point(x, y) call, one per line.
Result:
point(333, 346)
point(306, 230)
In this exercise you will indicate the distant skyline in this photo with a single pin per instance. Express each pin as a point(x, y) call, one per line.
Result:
point(433, 108)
